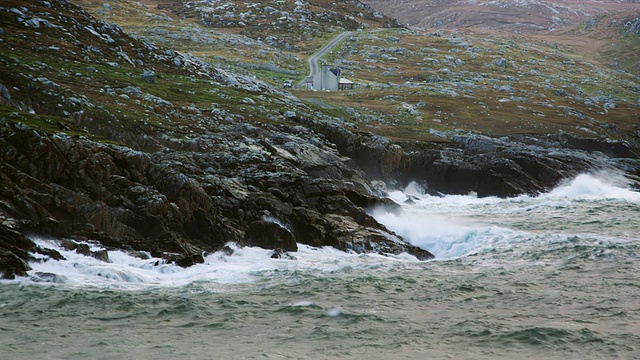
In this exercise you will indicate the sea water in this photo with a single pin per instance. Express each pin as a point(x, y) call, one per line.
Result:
point(553, 276)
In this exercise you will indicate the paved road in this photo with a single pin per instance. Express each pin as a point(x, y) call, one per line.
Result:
point(313, 59)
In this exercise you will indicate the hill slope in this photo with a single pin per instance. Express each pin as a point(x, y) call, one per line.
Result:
point(106, 138)
point(609, 23)
point(523, 15)
point(111, 138)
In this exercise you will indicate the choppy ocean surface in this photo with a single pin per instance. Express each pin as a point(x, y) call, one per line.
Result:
point(556, 276)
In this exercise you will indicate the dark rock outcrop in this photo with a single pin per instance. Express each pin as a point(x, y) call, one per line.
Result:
point(510, 166)
point(14, 253)
point(269, 235)
point(282, 254)
point(180, 181)
point(462, 163)
point(181, 203)
point(520, 164)
point(85, 249)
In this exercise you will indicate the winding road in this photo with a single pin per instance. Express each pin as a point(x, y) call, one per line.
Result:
point(313, 59)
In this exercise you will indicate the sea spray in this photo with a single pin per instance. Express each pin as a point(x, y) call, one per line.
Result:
point(599, 186)
point(457, 225)
point(245, 266)
point(551, 276)
point(449, 226)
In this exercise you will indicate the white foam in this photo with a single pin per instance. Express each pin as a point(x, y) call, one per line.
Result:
point(335, 312)
point(445, 237)
point(598, 186)
point(245, 265)
point(457, 225)
point(448, 226)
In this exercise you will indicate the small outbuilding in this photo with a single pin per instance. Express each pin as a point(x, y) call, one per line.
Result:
point(345, 84)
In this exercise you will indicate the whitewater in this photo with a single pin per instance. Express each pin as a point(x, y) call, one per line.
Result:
point(552, 276)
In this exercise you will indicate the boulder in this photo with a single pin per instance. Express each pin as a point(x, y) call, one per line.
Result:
point(11, 265)
point(282, 254)
point(269, 235)
point(149, 76)
point(14, 253)
point(187, 260)
point(102, 255)
point(502, 62)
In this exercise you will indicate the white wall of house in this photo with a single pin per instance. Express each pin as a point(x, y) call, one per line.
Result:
point(325, 80)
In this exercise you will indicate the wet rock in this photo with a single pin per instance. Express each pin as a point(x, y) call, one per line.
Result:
point(11, 265)
point(227, 251)
point(79, 248)
point(189, 260)
point(14, 252)
point(269, 235)
point(49, 253)
point(101, 255)
point(83, 249)
point(282, 254)
point(309, 227)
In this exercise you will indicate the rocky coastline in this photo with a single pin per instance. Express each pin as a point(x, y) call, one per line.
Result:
point(257, 186)
point(184, 188)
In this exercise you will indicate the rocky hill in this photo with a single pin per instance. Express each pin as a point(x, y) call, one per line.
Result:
point(111, 139)
point(290, 23)
point(522, 15)
point(269, 39)
point(559, 21)
point(133, 142)
point(612, 38)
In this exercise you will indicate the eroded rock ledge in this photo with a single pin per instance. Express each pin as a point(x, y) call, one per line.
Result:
point(247, 163)
point(258, 186)
point(191, 197)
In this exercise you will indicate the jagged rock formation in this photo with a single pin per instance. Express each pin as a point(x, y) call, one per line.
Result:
point(518, 164)
point(111, 139)
point(178, 181)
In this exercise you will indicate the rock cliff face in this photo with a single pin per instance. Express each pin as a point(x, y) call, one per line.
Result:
point(519, 164)
point(109, 139)
point(112, 140)
point(191, 198)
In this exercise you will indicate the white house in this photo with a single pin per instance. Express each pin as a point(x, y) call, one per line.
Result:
point(329, 79)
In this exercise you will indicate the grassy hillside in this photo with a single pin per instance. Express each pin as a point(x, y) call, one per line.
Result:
point(268, 39)
point(410, 85)
point(418, 81)
point(613, 39)
point(68, 72)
